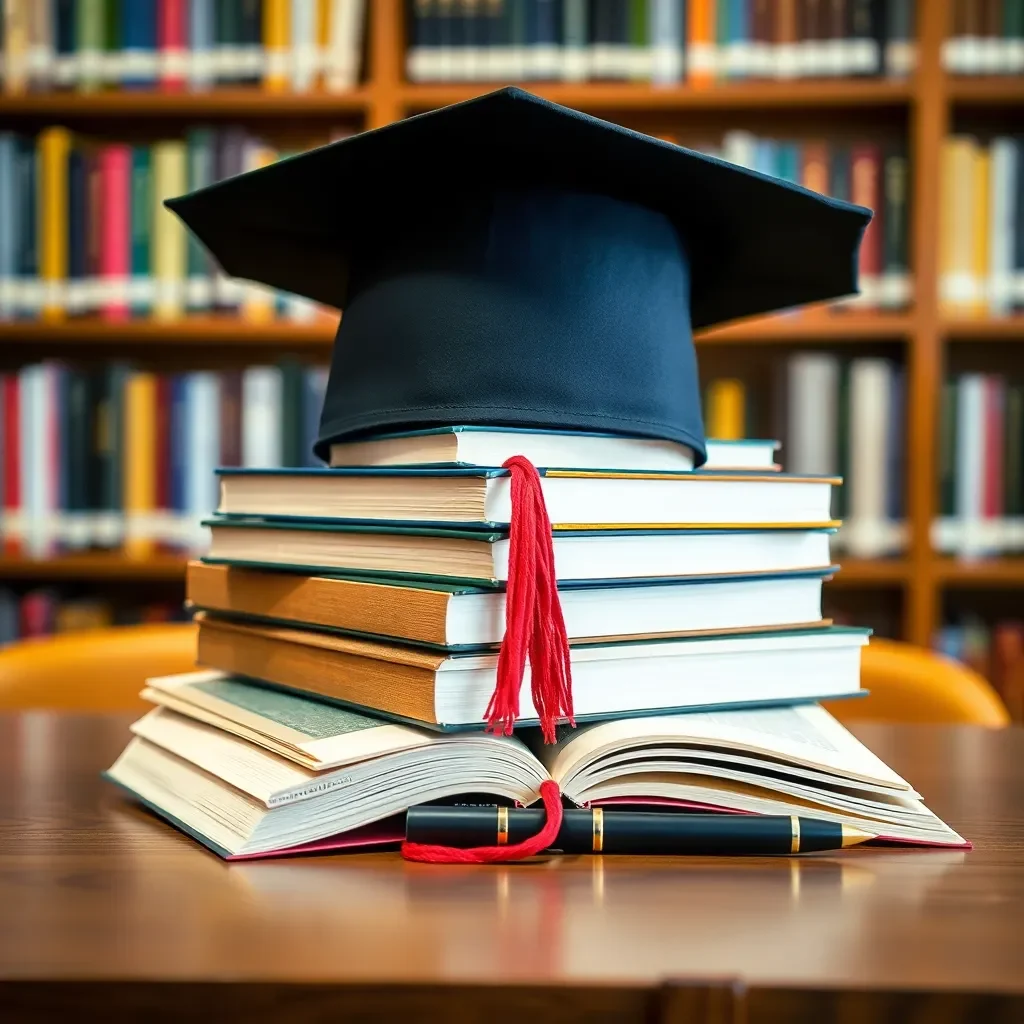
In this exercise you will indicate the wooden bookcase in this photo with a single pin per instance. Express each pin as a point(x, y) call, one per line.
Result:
point(929, 101)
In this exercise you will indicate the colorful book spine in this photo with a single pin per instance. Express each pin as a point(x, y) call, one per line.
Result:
point(115, 163)
point(139, 473)
point(54, 150)
point(169, 256)
point(172, 42)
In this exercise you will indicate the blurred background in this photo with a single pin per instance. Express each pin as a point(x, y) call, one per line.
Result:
point(130, 367)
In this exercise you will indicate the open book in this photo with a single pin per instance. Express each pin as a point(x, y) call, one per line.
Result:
point(251, 771)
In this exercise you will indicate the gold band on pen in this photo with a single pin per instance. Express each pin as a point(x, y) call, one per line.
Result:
point(502, 826)
point(794, 846)
point(597, 816)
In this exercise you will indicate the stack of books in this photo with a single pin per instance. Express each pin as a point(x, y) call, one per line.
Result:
point(173, 45)
point(350, 620)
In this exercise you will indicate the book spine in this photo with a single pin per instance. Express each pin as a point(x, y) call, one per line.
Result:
point(312, 405)
point(112, 45)
point(701, 50)
point(811, 441)
point(835, 31)
point(726, 405)
point(249, 51)
point(178, 456)
point(1013, 449)
point(970, 462)
point(545, 56)
point(786, 50)
point(900, 46)
point(638, 55)
point(895, 283)
point(870, 429)
point(138, 474)
point(865, 175)
point(172, 41)
point(1002, 217)
point(169, 257)
point(1018, 225)
point(979, 244)
point(29, 294)
point(444, 54)
point(258, 302)
point(141, 215)
point(139, 66)
point(230, 418)
point(12, 447)
point(993, 500)
point(419, 58)
point(788, 162)
point(54, 149)
point(9, 227)
point(1013, 37)
point(303, 42)
point(199, 286)
point(344, 47)
point(517, 38)
point(16, 46)
point(292, 392)
point(262, 430)
point(575, 33)
point(814, 172)
point(116, 240)
point(990, 48)
point(896, 460)
point(163, 425)
point(201, 55)
point(276, 29)
point(204, 448)
point(947, 451)
point(110, 522)
point(40, 56)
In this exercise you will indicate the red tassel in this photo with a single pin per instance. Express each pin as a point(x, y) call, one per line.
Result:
point(533, 615)
point(430, 854)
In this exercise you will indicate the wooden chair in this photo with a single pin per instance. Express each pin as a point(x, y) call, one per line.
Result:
point(911, 684)
point(94, 670)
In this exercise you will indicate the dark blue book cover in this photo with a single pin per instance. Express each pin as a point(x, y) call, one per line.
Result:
point(179, 442)
point(64, 41)
point(77, 252)
point(139, 35)
point(25, 190)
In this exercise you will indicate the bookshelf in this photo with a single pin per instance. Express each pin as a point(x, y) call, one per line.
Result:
point(925, 104)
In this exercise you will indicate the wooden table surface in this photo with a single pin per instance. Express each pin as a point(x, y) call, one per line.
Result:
point(101, 901)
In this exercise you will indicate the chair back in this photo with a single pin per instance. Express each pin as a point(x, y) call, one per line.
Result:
point(911, 684)
point(95, 669)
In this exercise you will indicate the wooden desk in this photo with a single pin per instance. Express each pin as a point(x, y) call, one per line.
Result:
point(104, 908)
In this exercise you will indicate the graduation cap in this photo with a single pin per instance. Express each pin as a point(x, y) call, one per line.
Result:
point(512, 262)
point(509, 261)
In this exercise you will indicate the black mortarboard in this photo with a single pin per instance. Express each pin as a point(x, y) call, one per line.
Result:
point(513, 262)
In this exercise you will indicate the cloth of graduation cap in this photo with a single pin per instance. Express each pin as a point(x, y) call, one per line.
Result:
point(509, 261)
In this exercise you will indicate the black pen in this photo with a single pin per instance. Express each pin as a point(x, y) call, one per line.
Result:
point(636, 832)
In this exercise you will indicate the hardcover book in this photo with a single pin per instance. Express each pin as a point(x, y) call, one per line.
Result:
point(250, 772)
